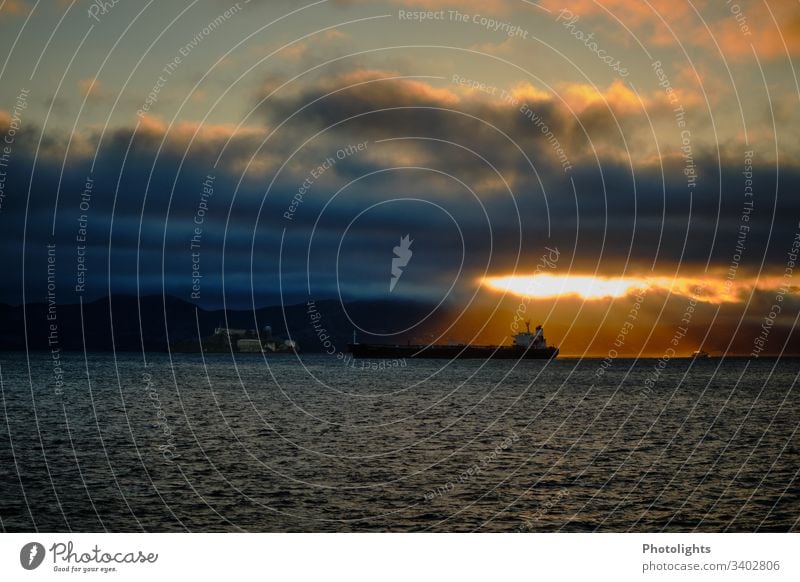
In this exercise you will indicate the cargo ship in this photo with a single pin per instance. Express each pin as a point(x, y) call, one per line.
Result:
point(527, 345)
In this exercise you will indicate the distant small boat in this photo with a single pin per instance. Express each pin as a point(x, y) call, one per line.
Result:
point(700, 355)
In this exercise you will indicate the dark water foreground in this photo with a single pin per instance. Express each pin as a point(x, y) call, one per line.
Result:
point(498, 446)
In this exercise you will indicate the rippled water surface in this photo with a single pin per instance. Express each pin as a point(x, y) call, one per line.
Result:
point(283, 445)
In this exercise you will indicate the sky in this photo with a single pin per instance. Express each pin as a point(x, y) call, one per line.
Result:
point(591, 165)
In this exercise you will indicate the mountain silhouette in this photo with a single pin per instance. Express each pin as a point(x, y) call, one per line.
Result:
point(152, 323)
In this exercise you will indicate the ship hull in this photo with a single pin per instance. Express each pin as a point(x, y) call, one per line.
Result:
point(433, 352)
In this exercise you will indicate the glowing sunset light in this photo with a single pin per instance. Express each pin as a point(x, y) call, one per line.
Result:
point(595, 288)
point(548, 286)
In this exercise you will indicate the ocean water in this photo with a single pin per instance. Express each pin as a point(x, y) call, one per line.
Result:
point(160, 443)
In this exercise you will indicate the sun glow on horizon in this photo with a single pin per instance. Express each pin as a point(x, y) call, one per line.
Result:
point(596, 288)
point(550, 286)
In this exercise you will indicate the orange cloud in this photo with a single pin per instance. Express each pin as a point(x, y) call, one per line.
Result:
point(650, 21)
point(295, 51)
point(396, 93)
point(714, 290)
point(211, 137)
point(618, 96)
point(323, 41)
point(579, 96)
point(633, 12)
point(183, 131)
point(755, 25)
point(732, 26)
point(91, 89)
point(527, 93)
point(14, 7)
point(490, 6)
